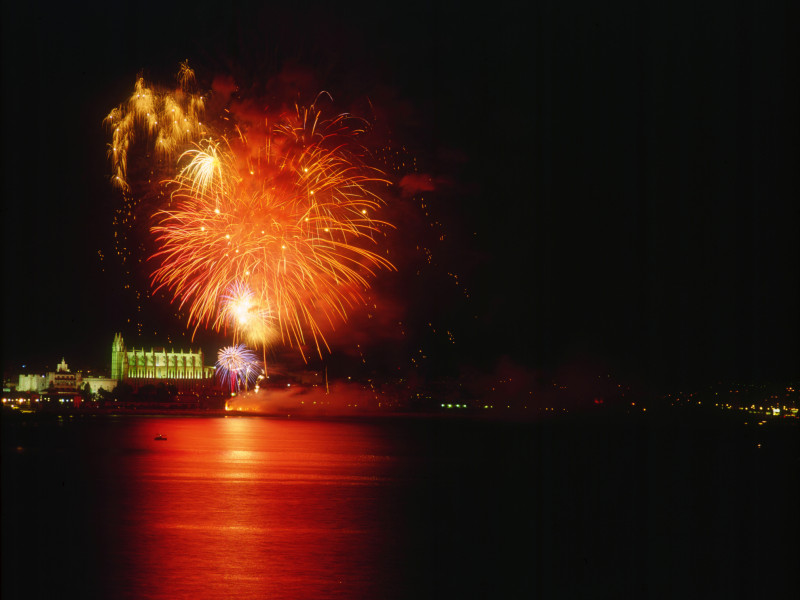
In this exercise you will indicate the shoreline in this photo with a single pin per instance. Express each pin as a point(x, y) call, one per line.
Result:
point(679, 417)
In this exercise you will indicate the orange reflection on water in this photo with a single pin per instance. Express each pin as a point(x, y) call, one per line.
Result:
point(253, 508)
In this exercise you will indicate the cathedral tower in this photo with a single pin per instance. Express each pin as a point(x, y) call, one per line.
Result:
point(118, 359)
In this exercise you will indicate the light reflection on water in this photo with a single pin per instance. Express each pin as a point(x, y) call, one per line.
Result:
point(250, 508)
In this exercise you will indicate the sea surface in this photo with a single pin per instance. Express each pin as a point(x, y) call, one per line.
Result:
point(255, 508)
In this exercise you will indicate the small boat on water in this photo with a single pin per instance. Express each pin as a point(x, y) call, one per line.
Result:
point(161, 438)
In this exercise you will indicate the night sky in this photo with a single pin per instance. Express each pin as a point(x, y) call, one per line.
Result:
point(618, 185)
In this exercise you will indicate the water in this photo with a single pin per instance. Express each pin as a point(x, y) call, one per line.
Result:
point(249, 507)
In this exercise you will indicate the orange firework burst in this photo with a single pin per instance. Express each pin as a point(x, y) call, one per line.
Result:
point(272, 231)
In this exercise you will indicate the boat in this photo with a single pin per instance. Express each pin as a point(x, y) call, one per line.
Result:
point(161, 438)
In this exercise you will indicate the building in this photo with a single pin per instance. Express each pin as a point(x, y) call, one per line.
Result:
point(32, 383)
point(97, 383)
point(184, 370)
point(60, 380)
point(63, 379)
point(40, 383)
point(62, 387)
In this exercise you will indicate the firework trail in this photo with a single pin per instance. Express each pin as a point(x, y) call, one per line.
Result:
point(170, 119)
point(270, 225)
point(237, 366)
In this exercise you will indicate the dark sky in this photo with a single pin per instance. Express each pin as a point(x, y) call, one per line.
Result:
point(619, 184)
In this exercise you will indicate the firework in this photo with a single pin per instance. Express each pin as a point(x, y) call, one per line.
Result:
point(237, 366)
point(270, 225)
point(169, 119)
point(250, 319)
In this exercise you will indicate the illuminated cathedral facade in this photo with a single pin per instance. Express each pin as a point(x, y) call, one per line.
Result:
point(157, 365)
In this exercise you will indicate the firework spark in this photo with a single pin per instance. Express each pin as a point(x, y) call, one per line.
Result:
point(250, 319)
point(170, 119)
point(237, 366)
point(270, 226)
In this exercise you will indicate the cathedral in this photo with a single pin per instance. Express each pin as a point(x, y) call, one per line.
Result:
point(139, 367)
